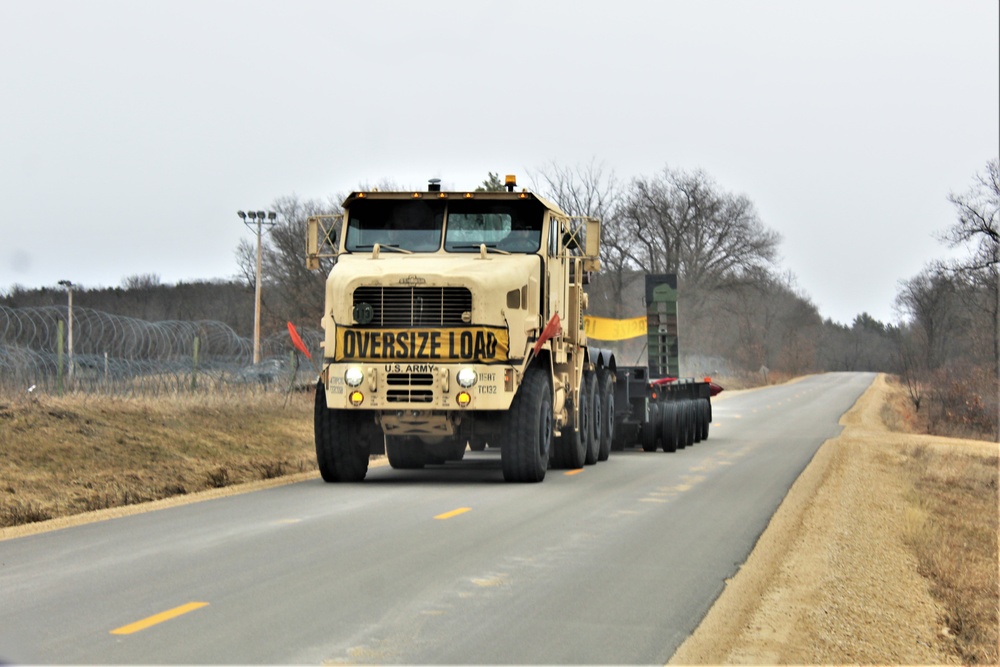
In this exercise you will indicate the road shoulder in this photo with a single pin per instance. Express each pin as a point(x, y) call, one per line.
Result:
point(831, 579)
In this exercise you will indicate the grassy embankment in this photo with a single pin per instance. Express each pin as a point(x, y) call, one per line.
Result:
point(65, 456)
point(953, 531)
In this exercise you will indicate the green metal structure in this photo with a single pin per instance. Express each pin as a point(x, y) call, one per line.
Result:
point(661, 326)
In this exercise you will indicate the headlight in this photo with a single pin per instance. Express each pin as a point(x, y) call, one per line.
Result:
point(466, 377)
point(354, 376)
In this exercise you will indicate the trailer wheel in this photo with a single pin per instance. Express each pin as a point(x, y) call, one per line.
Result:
point(570, 448)
point(527, 440)
point(690, 425)
point(343, 441)
point(697, 420)
point(668, 427)
point(405, 452)
point(606, 389)
point(706, 417)
point(651, 429)
point(595, 421)
point(683, 421)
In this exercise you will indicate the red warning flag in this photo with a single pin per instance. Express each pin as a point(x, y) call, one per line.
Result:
point(297, 341)
point(550, 330)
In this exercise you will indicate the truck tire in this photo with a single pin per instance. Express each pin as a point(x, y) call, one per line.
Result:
point(690, 427)
point(606, 390)
point(343, 440)
point(570, 448)
point(706, 416)
point(668, 427)
point(651, 429)
point(405, 452)
point(683, 427)
point(527, 440)
point(594, 419)
point(697, 420)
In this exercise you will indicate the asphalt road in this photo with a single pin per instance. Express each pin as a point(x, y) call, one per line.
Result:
point(615, 564)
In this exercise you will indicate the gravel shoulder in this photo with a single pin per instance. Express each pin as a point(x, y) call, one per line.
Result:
point(831, 580)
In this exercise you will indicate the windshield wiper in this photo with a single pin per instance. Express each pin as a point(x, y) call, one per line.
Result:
point(490, 247)
point(383, 246)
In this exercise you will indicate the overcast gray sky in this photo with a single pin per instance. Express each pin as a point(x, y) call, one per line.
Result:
point(132, 131)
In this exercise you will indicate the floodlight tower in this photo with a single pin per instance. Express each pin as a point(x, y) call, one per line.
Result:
point(69, 325)
point(258, 219)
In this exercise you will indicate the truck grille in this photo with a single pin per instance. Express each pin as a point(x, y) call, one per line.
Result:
point(409, 388)
point(414, 306)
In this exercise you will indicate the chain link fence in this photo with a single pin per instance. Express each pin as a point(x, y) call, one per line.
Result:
point(117, 355)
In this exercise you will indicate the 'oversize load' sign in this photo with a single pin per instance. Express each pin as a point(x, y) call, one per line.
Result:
point(482, 345)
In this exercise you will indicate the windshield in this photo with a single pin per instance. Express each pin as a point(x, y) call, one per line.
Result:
point(411, 225)
point(415, 225)
point(508, 226)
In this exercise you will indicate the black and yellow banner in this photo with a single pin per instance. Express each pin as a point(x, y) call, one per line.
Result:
point(483, 345)
point(604, 328)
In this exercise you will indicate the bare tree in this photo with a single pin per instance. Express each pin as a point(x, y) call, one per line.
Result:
point(978, 227)
point(141, 281)
point(681, 222)
point(911, 364)
point(591, 190)
point(930, 301)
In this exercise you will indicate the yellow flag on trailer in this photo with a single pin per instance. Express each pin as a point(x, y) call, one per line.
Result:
point(604, 328)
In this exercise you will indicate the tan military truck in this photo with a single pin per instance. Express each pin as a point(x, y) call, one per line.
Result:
point(455, 320)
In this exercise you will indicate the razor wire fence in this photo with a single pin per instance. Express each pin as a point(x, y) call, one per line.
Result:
point(120, 355)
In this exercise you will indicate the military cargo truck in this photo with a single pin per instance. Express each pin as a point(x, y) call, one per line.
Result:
point(456, 320)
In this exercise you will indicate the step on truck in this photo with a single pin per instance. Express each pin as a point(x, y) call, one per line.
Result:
point(455, 320)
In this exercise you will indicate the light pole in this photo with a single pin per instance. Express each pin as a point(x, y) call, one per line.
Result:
point(258, 219)
point(69, 334)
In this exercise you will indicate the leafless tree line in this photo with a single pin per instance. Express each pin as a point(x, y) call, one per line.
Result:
point(740, 313)
point(948, 350)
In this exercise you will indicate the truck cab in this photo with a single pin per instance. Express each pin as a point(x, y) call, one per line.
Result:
point(438, 307)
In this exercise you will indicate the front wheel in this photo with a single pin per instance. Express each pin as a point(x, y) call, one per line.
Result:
point(527, 438)
point(343, 440)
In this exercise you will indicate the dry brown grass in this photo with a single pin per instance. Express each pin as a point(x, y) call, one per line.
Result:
point(954, 515)
point(954, 533)
point(64, 456)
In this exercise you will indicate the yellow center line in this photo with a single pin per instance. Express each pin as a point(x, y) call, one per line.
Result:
point(158, 618)
point(573, 472)
point(448, 515)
